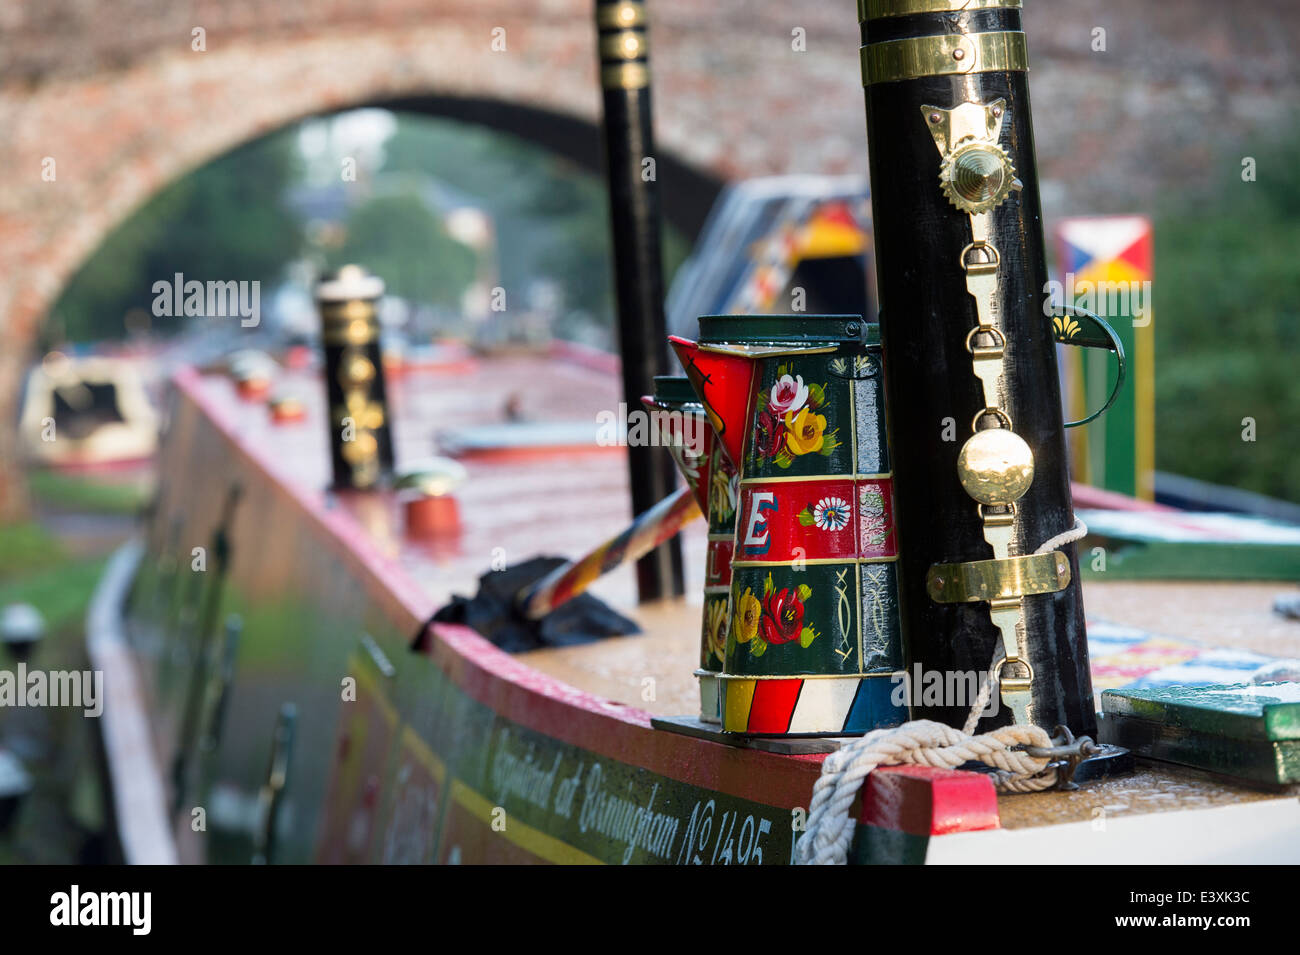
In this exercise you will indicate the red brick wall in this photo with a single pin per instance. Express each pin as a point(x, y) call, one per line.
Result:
point(112, 92)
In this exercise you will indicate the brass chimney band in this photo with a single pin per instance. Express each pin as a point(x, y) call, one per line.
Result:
point(621, 16)
point(351, 322)
point(625, 76)
point(952, 54)
point(876, 9)
point(624, 45)
point(625, 48)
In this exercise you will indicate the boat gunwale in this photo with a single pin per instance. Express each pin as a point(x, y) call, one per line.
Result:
point(508, 685)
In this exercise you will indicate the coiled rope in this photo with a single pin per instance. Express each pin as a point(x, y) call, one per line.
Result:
point(829, 830)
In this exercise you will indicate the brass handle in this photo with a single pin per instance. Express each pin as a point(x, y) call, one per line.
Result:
point(1093, 332)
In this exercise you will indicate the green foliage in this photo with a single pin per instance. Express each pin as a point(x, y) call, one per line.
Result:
point(70, 492)
point(581, 258)
point(402, 239)
point(36, 569)
point(55, 821)
point(552, 216)
point(28, 547)
point(226, 221)
point(1227, 326)
point(60, 593)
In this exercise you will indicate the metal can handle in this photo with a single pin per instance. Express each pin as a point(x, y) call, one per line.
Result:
point(1091, 332)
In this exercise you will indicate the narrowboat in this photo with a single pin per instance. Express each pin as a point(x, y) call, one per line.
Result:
point(356, 627)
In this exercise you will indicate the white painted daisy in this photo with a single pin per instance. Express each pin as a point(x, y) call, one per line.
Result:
point(831, 514)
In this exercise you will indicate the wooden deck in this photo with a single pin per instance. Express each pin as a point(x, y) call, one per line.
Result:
point(1222, 615)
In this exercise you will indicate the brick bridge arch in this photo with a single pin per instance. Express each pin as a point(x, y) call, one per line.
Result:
point(114, 94)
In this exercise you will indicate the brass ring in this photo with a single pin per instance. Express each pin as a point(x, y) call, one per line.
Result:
point(1018, 683)
point(992, 265)
point(977, 349)
point(998, 412)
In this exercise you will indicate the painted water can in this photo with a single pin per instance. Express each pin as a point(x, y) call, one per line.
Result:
point(683, 428)
point(814, 646)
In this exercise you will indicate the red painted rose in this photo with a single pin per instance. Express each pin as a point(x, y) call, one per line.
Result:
point(782, 617)
point(769, 435)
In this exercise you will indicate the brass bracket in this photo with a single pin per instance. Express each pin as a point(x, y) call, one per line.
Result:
point(975, 173)
point(1005, 579)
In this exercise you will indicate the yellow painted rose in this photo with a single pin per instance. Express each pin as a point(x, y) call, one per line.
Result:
point(716, 629)
point(806, 432)
point(748, 615)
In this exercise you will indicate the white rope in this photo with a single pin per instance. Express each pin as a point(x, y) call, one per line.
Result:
point(829, 830)
point(920, 743)
point(1077, 532)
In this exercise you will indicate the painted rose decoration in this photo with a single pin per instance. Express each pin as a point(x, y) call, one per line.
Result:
point(776, 619)
point(724, 490)
point(788, 425)
point(788, 394)
point(715, 629)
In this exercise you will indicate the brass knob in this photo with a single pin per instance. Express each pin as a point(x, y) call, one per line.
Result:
point(977, 176)
point(996, 467)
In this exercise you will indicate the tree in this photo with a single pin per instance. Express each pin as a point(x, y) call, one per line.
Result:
point(225, 221)
point(399, 237)
point(1227, 324)
point(552, 217)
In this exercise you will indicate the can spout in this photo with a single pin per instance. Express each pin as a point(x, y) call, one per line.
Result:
point(723, 380)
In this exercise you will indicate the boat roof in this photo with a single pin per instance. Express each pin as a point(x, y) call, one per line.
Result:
point(761, 226)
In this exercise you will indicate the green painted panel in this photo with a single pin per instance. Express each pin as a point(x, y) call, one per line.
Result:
point(1112, 438)
point(873, 845)
point(553, 792)
point(1257, 760)
point(1134, 560)
point(1268, 712)
point(1155, 545)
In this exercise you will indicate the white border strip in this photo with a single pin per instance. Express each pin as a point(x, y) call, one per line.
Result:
point(1265, 832)
point(139, 795)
